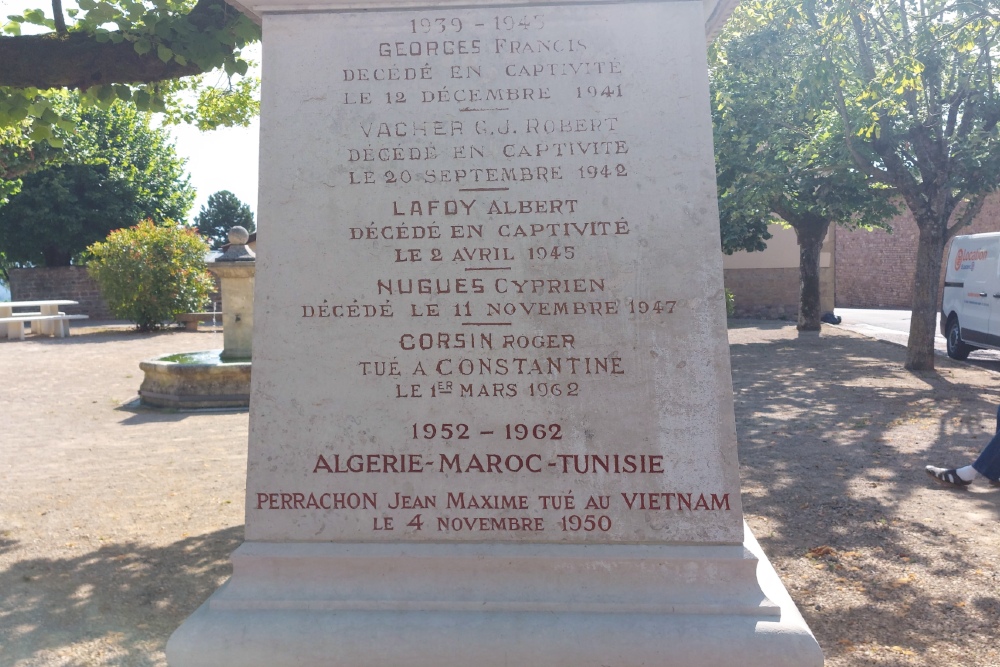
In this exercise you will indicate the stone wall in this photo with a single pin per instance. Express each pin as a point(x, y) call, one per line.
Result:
point(765, 284)
point(875, 269)
point(61, 282)
point(68, 282)
point(773, 293)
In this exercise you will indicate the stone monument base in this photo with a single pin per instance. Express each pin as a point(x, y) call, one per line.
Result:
point(474, 605)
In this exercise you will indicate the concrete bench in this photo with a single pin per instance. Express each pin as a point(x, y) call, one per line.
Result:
point(54, 325)
point(192, 320)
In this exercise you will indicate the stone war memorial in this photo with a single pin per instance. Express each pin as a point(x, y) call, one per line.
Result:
point(491, 415)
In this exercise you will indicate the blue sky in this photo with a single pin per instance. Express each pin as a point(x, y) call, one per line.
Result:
point(223, 159)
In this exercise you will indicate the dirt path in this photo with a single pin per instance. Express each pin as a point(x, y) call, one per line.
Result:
point(115, 524)
point(888, 567)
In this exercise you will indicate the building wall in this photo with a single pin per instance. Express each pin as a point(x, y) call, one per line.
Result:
point(766, 284)
point(875, 269)
point(60, 282)
point(73, 283)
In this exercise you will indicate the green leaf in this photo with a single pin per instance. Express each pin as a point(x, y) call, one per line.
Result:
point(49, 117)
point(40, 132)
point(141, 98)
point(105, 93)
point(164, 53)
point(36, 16)
point(143, 46)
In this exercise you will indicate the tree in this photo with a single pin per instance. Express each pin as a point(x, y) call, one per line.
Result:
point(222, 212)
point(778, 150)
point(917, 89)
point(148, 52)
point(137, 153)
point(115, 172)
point(60, 211)
point(18, 156)
point(151, 273)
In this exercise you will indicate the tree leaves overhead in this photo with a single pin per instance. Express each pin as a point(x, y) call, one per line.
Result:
point(140, 52)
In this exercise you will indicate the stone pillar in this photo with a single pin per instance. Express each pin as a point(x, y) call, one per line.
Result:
point(235, 270)
point(492, 413)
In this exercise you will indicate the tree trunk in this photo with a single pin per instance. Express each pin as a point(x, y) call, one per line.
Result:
point(809, 233)
point(926, 295)
point(80, 60)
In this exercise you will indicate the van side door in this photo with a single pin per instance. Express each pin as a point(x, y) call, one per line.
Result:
point(979, 260)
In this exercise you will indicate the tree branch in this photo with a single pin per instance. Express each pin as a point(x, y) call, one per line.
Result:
point(78, 60)
point(57, 16)
point(970, 212)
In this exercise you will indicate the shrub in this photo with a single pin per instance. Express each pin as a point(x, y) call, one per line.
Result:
point(150, 273)
point(730, 302)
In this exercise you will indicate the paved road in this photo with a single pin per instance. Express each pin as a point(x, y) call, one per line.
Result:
point(894, 326)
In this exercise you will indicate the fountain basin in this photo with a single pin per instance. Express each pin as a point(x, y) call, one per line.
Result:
point(195, 380)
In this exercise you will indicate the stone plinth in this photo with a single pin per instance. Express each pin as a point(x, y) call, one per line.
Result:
point(235, 270)
point(378, 605)
point(237, 307)
point(492, 418)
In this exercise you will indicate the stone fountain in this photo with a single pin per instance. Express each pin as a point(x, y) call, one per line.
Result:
point(212, 378)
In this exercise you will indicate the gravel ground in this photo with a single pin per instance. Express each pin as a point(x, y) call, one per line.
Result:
point(116, 523)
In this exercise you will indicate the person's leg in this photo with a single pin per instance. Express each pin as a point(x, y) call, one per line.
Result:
point(988, 463)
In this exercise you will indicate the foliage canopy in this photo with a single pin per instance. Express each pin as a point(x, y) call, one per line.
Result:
point(153, 53)
point(912, 90)
point(780, 149)
point(116, 171)
point(916, 86)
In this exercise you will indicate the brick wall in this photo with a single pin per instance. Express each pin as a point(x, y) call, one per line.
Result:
point(773, 293)
point(61, 282)
point(875, 269)
point(68, 282)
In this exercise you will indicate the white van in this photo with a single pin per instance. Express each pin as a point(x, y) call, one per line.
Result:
point(970, 304)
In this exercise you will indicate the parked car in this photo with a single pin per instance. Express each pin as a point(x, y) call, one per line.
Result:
point(970, 303)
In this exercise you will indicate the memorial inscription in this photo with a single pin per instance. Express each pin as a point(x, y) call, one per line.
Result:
point(492, 279)
point(491, 419)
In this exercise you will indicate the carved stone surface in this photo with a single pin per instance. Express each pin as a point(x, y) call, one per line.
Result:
point(492, 414)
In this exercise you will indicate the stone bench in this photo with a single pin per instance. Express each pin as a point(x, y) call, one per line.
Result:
point(54, 325)
point(192, 320)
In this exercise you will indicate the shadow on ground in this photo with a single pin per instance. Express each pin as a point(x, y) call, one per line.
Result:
point(138, 414)
point(833, 437)
point(109, 601)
